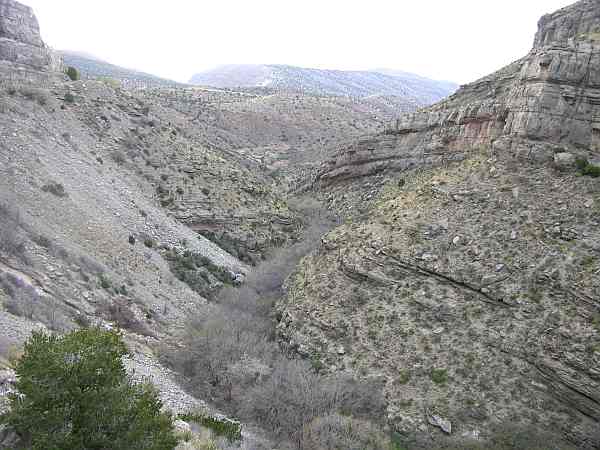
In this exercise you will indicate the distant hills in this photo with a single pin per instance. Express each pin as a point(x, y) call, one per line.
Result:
point(92, 67)
point(381, 82)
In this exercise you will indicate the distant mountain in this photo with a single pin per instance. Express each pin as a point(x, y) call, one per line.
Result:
point(439, 88)
point(413, 88)
point(93, 67)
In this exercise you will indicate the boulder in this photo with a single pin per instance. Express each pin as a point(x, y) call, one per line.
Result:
point(564, 161)
point(182, 427)
point(437, 421)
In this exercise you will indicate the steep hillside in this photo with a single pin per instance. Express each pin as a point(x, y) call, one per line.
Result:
point(415, 91)
point(94, 68)
point(102, 198)
point(467, 275)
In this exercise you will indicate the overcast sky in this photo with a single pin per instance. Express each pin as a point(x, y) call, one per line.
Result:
point(459, 40)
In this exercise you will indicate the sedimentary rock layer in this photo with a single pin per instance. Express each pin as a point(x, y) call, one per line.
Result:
point(544, 103)
point(23, 53)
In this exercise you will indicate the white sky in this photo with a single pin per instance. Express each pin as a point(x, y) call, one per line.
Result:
point(458, 40)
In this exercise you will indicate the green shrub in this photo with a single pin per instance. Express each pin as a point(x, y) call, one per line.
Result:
point(221, 426)
point(587, 169)
point(596, 321)
point(56, 189)
point(403, 376)
point(72, 73)
point(197, 271)
point(105, 282)
point(74, 393)
point(439, 376)
point(149, 242)
point(69, 98)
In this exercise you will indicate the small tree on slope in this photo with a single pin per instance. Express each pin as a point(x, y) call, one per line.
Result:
point(74, 394)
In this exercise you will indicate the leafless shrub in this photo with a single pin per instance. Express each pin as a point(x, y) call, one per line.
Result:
point(130, 142)
point(11, 241)
point(42, 96)
point(23, 300)
point(231, 356)
point(121, 313)
point(42, 241)
point(119, 157)
point(5, 348)
point(91, 265)
point(294, 396)
point(215, 344)
point(341, 432)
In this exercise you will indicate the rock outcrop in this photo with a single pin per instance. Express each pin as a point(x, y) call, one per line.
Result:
point(470, 285)
point(23, 53)
point(545, 103)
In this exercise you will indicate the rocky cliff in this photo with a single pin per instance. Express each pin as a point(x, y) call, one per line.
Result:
point(466, 276)
point(545, 103)
point(23, 54)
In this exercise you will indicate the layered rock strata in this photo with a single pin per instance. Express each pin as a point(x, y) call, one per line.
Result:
point(545, 103)
point(23, 54)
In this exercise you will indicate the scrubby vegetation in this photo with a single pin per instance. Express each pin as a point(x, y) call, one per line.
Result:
point(231, 355)
point(11, 241)
point(505, 436)
point(587, 169)
point(231, 245)
point(220, 426)
point(24, 301)
point(198, 272)
point(56, 189)
point(72, 73)
point(74, 394)
point(41, 96)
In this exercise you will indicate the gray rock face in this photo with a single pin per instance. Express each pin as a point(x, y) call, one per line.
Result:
point(19, 23)
point(568, 23)
point(23, 54)
point(545, 103)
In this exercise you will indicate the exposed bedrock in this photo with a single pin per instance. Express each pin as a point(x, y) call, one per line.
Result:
point(23, 53)
point(544, 103)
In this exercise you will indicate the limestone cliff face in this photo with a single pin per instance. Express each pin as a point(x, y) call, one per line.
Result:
point(471, 289)
point(23, 54)
point(546, 102)
point(568, 23)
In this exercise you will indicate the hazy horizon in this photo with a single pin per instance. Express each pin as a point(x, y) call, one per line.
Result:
point(456, 42)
